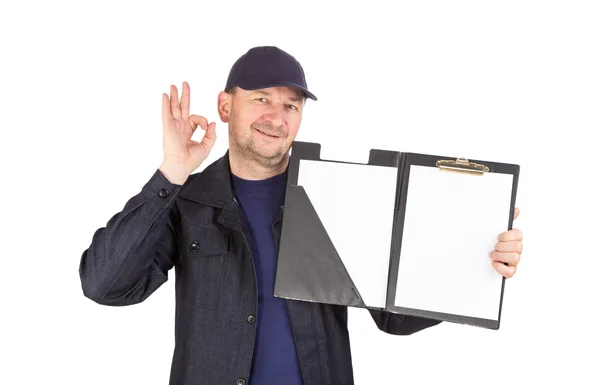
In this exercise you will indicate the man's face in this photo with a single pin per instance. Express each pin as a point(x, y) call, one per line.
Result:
point(263, 123)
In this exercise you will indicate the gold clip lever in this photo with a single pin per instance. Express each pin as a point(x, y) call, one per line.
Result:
point(462, 165)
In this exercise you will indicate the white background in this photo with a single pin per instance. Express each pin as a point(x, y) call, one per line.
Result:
point(512, 81)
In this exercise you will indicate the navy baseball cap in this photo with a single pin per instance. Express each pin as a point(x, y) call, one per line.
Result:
point(267, 66)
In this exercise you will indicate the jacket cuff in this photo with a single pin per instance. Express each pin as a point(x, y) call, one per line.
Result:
point(160, 191)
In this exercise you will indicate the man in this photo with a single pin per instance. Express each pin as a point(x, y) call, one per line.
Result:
point(220, 230)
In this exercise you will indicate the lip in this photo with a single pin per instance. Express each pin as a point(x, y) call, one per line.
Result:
point(265, 135)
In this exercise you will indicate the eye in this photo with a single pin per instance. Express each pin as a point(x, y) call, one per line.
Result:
point(292, 107)
point(261, 99)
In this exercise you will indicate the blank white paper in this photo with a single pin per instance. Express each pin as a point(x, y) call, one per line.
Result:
point(355, 203)
point(451, 224)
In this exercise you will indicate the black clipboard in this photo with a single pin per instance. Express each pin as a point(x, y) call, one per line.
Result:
point(310, 267)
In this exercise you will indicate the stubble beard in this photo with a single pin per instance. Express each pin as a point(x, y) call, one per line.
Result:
point(247, 151)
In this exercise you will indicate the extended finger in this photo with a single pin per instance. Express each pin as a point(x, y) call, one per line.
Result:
point(505, 271)
point(166, 110)
point(185, 100)
point(517, 211)
point(510, 258)
point(175, 109)
point(511, 235)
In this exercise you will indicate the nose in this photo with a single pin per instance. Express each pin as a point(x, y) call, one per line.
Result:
point(276, 114)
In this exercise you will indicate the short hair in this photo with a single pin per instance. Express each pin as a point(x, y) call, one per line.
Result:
point(231, 90)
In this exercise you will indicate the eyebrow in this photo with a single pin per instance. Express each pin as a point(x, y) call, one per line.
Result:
point(265, 93)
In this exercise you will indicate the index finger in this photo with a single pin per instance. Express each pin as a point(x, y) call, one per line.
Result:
point(197, 120)
point(511, 235)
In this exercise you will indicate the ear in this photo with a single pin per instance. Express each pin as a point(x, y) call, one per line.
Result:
point(224, 106)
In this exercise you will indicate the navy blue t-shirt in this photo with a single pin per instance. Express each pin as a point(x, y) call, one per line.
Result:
point(275, 360)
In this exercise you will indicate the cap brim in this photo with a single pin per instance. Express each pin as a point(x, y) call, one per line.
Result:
point(255, 85)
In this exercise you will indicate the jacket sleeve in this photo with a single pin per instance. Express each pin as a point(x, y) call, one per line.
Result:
point(130, 257)
point(400, 324)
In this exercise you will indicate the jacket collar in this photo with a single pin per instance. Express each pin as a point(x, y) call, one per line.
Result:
point(212, 186)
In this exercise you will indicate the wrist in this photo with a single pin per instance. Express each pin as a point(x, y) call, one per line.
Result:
point(174, 172)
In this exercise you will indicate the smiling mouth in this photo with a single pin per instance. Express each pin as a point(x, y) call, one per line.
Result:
point(266, 134)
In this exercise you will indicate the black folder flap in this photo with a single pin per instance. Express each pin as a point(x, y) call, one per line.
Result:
point(309, 267)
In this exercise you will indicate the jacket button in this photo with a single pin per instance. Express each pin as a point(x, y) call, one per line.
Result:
point(163, 193)
point(194, 246)
point(241, 381)
point(251, 318)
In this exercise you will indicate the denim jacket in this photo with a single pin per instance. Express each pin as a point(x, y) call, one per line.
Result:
point(196, 228)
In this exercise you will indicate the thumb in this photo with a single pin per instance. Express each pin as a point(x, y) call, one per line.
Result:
point(210, 136)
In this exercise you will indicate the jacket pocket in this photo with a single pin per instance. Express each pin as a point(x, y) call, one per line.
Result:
point(200, 275)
